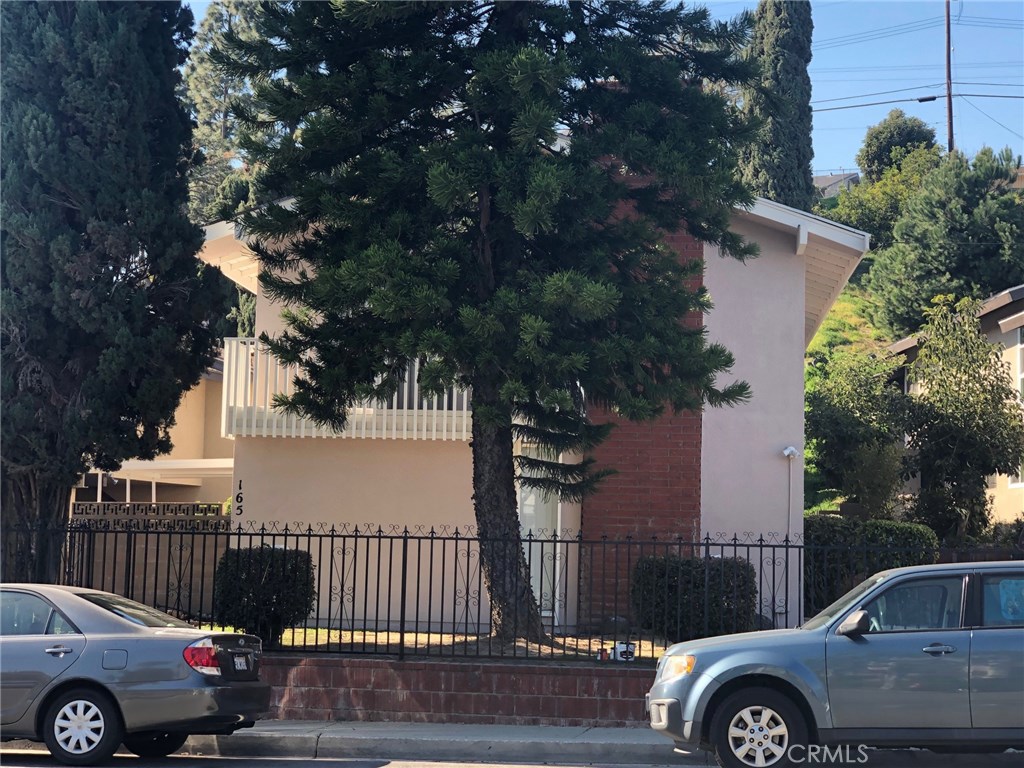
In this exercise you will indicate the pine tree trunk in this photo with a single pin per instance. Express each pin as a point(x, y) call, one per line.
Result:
point(35, 515)
point(514, 610)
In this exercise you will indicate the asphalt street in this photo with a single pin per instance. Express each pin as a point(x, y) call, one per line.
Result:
point(38, 759)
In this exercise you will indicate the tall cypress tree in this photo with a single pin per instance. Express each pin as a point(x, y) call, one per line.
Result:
point(777, 165)
point(483, 187)
point(105, 317)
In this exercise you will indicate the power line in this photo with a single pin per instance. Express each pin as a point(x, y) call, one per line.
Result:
point(967, 65)
point(986, 22)
point(991, 95)
point(877, 93)
point(877, 103)
point(986, 114)
point(920, 99)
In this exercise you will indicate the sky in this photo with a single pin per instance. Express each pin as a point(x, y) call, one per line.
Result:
point(868, 51)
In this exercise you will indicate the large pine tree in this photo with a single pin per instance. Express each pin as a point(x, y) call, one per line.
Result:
point(483, 187)
point(219, 183)
point(777, 165)
point(960, 234)
point(105, 317)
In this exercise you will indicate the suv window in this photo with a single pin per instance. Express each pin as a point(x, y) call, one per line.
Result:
point(919, 604)
point(1002, 600)
point(24, 614)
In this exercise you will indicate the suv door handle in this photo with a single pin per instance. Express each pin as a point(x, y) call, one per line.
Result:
point(935, 649)
point(58, 650)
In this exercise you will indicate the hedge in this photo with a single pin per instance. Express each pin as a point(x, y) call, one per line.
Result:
point(685, 598)
point(263, 590)
point(840, 553)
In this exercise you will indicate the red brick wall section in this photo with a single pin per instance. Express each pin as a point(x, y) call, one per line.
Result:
point(331, 687)
point(657, 488)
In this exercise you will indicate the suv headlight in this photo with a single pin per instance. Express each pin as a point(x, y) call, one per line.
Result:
point(675, 666)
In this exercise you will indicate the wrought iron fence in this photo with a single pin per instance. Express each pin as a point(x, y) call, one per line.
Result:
point(422, 592)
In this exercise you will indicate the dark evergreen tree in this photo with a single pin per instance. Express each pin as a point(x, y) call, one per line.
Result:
point(483, 187)
point(219, 179)
point(105, 318)
point(960, 235)
point(777, 165)
point(896, 133)
point(211, 92)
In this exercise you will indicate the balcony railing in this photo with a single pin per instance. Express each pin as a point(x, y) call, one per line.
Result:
point(252, 376)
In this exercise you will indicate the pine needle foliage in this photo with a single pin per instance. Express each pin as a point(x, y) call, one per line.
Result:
point(777, 165)
point(107, 314)
point(484, 187)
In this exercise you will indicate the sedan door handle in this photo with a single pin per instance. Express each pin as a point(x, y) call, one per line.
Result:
point(58, 650)
point(935, 649)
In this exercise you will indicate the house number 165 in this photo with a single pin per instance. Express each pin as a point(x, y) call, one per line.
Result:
point(238, 499)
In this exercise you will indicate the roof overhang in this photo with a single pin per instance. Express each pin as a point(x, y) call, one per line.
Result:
point(225, 248)
point(185, 471)
point(1004, 300)
point(831, 252)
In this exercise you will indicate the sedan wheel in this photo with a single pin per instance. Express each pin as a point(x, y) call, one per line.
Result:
point(154, 744)
point(82, 727)
point(755, 728)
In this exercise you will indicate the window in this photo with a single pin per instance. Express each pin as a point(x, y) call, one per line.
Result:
point(917, 605)
point(1002, 600)
point(23, 614)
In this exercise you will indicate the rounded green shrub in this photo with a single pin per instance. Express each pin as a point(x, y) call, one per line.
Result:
point(263, 590)
point(839, 553)
point(682, 598)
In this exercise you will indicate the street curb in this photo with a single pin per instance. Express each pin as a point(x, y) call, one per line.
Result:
point(633, 747)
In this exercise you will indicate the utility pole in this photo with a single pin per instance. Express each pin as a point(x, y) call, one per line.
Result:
point(949, 83)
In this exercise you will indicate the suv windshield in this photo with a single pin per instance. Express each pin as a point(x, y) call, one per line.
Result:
point(136, 613)
point(852, 596)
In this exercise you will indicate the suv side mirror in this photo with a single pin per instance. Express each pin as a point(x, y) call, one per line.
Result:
point(857, 623)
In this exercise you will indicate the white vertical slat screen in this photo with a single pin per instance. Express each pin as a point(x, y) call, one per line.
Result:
point(252, 377)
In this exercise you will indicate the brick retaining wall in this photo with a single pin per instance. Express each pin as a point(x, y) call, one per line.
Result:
point(335, 687)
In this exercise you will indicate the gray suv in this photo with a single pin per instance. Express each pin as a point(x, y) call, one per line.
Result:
point(929, 656)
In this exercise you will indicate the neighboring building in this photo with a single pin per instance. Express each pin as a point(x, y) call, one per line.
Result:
point(832, 184)
point(1002, 321)
point(408, 462)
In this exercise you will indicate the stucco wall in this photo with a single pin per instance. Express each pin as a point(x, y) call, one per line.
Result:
point(407, 482)
point(747, 485)
point(1007, 498)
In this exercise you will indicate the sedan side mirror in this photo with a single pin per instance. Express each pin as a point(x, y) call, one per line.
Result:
point(857, 623)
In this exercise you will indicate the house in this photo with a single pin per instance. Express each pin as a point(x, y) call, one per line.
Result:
point(832, 184)
point(406, 464)
point(1002, 322)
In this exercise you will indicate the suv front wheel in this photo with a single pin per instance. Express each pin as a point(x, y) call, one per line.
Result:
point(756, 728)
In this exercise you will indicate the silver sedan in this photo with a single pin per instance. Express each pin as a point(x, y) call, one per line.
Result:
point(85, 671)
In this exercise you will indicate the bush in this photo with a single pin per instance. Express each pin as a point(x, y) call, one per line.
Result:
point(840, 553)
point(686, 598)
point(263, 590)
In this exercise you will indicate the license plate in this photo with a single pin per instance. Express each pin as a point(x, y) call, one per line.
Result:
point(241, 663)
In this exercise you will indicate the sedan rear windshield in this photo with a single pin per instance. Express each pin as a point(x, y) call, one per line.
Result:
point(136, 613)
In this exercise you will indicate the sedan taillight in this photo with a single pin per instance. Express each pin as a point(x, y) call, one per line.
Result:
point(202, 657)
